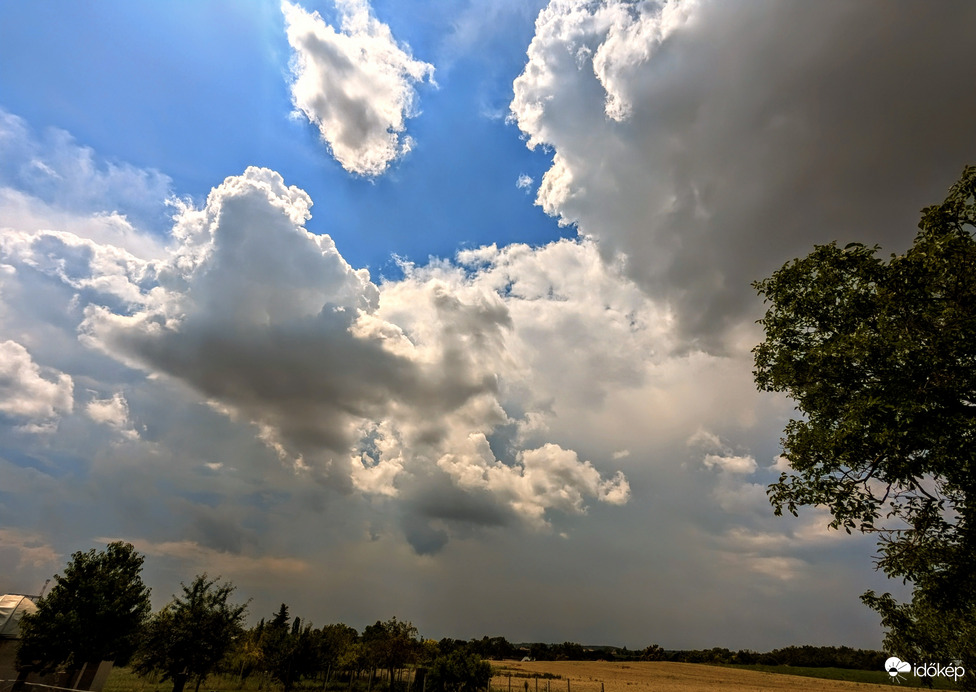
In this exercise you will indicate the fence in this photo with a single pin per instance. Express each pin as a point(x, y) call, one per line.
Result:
point(519, 683)
point(7, 685)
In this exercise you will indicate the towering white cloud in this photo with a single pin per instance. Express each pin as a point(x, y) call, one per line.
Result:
point(356, 386)
point(355, 84)
point(709, 142)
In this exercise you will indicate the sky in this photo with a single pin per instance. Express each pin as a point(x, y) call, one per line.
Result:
point(442, 310)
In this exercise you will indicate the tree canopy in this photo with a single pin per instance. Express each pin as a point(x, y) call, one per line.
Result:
point(94, 612)
point(459, 671)
point(880, 357)
point(191, 635)
point(391, 645)
point(289, 653)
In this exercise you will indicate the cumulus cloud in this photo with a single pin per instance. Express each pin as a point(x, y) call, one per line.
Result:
point(719, 455)
point(355, 84)
point(731, 464)
point(113, 412)
point(31, 394)
point(546, 478)
point(732, 491)
point(710, 142)
point(360, 387)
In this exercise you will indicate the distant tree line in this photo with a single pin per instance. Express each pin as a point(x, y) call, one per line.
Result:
point(800, 656)
point(99, 610)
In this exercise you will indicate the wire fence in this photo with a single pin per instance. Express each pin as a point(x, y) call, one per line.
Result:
point(380, 683)
point(518, 683)
point(7, 685)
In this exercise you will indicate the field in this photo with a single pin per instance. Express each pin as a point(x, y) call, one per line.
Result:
point(596, 676)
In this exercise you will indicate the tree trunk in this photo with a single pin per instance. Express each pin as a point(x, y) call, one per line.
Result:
point(179, 682)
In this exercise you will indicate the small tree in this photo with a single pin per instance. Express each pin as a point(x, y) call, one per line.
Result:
point(94, 612)
point(333, 643)
point(289, 653)
point(459, 671)
point(392, 645)
point(191, 635)
point(246, 656)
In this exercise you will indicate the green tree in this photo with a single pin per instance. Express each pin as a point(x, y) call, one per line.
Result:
point(334, 644)
point(289, 653)
point(880, 357)
point(458, 671)
point(190, 636)
point(392, 645)
point(94, 613)
point(246, 655)
point(653, 653)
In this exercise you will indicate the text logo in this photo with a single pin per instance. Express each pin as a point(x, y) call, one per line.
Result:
point(896, 667)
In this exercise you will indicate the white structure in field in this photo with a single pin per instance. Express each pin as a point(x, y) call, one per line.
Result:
point(12, 609)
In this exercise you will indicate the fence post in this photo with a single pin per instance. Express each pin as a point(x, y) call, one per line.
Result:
point(509, 683)
point(567, 685)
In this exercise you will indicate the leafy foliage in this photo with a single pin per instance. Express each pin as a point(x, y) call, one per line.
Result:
point(191, 635)
point(459, 671)
point(495, 648)
point(289, 653)
point(880, 357)
point(391, 645)
point(94, 612)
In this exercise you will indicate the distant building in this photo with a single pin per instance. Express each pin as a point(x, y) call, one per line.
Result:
point(12, 609)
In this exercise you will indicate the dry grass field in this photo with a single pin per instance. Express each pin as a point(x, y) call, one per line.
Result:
point(587, 676)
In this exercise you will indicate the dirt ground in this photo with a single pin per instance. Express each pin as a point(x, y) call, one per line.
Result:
point(597, 676)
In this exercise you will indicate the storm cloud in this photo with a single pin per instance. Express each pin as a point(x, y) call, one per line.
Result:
point(709, 142)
